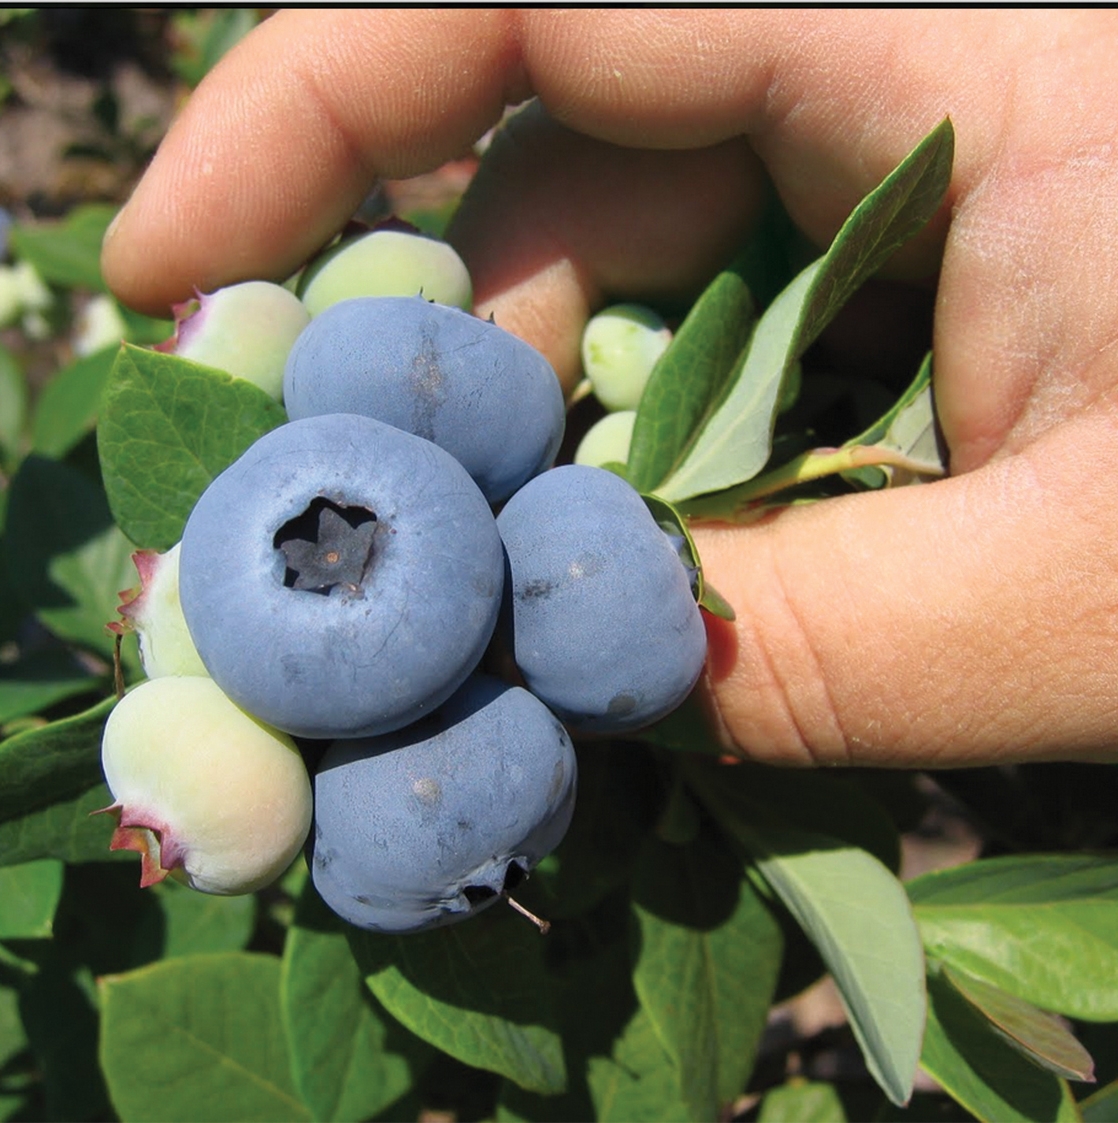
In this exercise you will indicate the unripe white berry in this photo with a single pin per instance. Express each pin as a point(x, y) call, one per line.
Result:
point(387, 262)
point(246, 330)
point(154, 613)
point(607, 440)
point(620, 346)
point(203, 790)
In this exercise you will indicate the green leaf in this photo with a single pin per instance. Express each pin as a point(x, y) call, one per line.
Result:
point(67, 407)
point(65, 829)
point(809, 801)
point(66, 252)
point(901, 447)
point(672, 523)
point(857, 915)
point(1043, 927)
point(40, 679)
point(477, 990)
point(708, 954)
point(1041, 1037)
point(198, 1038)
point(802, 1101)
point(735, 443)
point(21, 1077)
point(689, 378)
point(63, 554)
point(909, 427)
point(30, 893)
point(618, 1068)
point(638, 1082)
point(196, 923)
point(13, 408)
point(635, 1083)
point(349, 1061)
point(982, 1071)
point(1101, 1106)
point(61, 1023)
point(50, 783)
point(51, 764)
point(145, 329)
point(167, 428)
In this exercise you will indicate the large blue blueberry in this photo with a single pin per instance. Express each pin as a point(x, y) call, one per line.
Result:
point(605, 628)
point(427, 825)
point(341, 578)
point(479, 392)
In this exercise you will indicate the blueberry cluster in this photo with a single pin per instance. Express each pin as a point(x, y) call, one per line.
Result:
point(358, 573)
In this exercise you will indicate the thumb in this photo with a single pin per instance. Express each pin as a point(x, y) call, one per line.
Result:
point(957, 623)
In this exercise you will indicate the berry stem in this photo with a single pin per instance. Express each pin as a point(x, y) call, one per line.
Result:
point(543, 925)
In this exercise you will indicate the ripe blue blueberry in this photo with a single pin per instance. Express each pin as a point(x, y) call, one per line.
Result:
point(341, 578)
point(425, 826)
point(604, 625)
point(488, 398)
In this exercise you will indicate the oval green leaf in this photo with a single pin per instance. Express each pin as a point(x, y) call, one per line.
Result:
point(802, 1101)
point(856, 913)
point(689, 379)
point(167, 428)
point(348, 1059)
point(66, 829)
point(51, 764)
point(1043, 927)
point(708, 954)
point(983, 1072)
point(477, 990)
point(198, 1038)
point(63, 554)
point(732, 443)
point(30, 892)
point(1042, 1038)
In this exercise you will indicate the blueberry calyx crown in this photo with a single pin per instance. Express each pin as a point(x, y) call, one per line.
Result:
point(327, 547)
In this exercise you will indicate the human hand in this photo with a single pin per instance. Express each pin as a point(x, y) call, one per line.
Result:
point(969, 621)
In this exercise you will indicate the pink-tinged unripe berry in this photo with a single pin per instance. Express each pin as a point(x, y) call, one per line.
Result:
point(620, 346)
point(202, 790)
point(387, 262)
point(245, 330)
point(154, 613)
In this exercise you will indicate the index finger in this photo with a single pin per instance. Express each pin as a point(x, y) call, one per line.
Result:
point(281, 142)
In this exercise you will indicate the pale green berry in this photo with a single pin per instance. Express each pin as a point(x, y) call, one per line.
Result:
point(201, 789)
point(245, 330)
point(387, 262)
point(620, 346)
point(153, 612)
point(607, 440)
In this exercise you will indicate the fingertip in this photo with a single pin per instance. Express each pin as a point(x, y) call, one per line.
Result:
point(282, 140)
